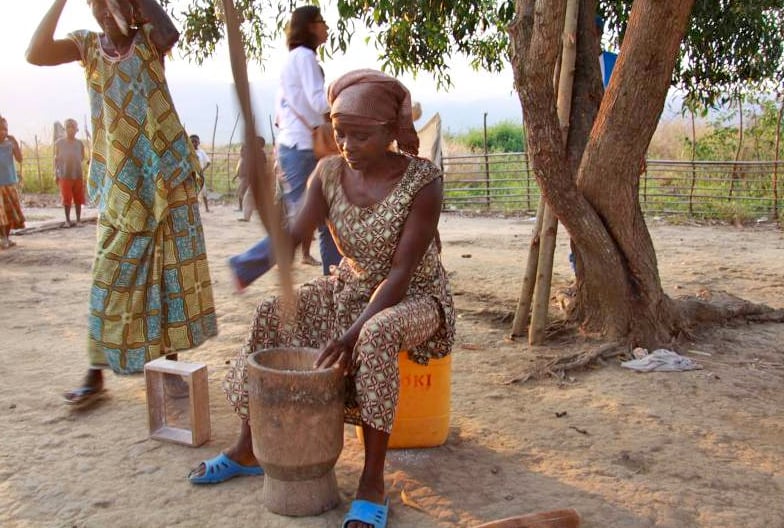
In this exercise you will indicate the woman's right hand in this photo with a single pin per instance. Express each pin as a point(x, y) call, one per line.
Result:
point(335, 352)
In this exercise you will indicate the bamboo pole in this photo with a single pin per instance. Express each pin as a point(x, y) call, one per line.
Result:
point(520, 321)
point(259, 178)
point(549, 231)
point(544, 276)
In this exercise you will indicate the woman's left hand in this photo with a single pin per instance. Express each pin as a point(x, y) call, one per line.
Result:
point(335, 352)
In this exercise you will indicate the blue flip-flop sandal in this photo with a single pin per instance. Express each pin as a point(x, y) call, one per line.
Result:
point(221, 468)
point(367, 512)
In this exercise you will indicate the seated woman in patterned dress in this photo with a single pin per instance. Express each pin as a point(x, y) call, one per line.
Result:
point(390, 291)
point(151, 293)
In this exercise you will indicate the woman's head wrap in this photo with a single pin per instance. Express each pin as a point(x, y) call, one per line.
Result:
point(373, 97)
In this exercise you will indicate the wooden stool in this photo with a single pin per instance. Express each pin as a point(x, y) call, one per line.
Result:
point(178, 401)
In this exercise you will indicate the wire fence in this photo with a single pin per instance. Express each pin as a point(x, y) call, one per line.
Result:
point(701, 189)
point(504, 182)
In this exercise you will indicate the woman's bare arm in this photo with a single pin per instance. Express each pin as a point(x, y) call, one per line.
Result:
point(418, 232)
point(44, 50)
point(15, 148)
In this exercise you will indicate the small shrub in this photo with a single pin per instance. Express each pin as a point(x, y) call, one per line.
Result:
point(505, 136)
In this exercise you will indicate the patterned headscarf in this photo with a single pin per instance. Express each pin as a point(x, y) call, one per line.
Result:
point(373, 97)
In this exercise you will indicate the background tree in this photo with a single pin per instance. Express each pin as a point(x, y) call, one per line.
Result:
point(706, 48)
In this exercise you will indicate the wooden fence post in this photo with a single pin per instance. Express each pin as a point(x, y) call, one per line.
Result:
point(228, 157)
point(38, 166)
point(211, 186)
point(487, 166)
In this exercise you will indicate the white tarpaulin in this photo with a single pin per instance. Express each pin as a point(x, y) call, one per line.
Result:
point(430, 143)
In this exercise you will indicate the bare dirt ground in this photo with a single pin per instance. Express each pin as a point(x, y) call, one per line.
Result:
point(703, 448)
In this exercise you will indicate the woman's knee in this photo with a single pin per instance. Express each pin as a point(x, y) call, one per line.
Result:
point(378, 336)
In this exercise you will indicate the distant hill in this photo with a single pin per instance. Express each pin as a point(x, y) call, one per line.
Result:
point(31, 114)
point(196, 104)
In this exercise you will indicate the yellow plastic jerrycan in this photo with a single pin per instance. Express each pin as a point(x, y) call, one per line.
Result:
point(422, 417)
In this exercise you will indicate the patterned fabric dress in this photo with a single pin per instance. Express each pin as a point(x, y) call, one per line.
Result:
point(151, 293)
point(423, 322)
point(11, 215)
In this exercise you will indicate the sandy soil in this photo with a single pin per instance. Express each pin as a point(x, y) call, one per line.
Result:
point(701, 448)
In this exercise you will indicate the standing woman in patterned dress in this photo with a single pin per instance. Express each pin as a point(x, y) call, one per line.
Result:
point(389, 292)
point(11, 216)
point(151, 294)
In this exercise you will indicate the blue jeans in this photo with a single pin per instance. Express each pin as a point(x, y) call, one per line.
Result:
point(296, 166)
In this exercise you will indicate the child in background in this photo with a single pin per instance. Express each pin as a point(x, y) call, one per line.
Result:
point(68, 159)
point(11, 216)
point(247, 204)
point(151, 293)
point(204, 163)
point(242, 181)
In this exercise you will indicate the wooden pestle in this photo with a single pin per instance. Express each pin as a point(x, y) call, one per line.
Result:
point(567, 518)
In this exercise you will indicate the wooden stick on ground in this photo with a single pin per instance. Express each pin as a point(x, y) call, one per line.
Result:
point(566, 518)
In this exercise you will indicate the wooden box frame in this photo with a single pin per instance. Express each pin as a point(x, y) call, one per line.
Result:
point(195, 374)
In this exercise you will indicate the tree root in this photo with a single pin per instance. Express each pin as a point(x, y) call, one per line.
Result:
point(721, 307)
point(558, 367)
point(696, 312)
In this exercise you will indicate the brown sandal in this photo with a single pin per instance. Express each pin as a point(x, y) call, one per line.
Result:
point(82, 395)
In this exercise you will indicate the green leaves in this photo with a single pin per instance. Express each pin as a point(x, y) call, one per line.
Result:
point(731, 47)
point(409, 35)
point(262, 22)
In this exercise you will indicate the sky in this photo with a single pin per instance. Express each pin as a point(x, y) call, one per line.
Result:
point(33, 97)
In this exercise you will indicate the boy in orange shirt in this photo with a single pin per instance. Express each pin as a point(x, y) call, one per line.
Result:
point(68, 160)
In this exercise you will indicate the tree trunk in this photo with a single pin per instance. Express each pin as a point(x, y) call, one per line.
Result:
point(619, 291)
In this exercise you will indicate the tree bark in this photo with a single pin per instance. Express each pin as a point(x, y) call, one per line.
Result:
point(619, 291)
point(610, 169)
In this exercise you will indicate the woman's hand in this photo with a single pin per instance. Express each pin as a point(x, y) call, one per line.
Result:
point(335, 352)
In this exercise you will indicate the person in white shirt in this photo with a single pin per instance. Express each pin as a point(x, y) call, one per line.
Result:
point(204, 162)
point(301, 105)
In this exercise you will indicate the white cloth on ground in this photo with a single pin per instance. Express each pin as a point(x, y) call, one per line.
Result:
point(662, 360)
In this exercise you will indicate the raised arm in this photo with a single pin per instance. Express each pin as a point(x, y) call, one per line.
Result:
point(15, 148)
point(44, 50)
point(418, 232)
point(164, 35)
point(57, 159)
